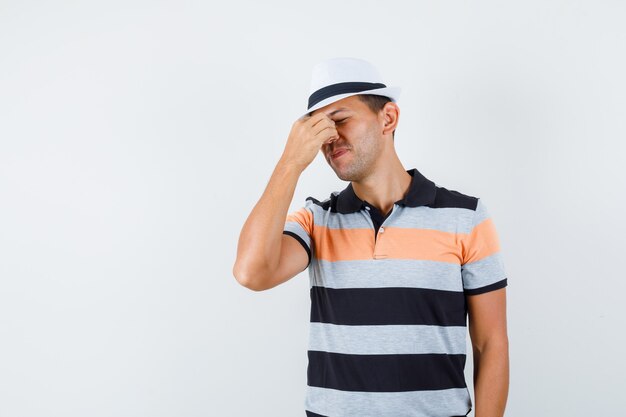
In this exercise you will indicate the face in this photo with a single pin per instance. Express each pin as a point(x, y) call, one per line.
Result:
point(360, 142)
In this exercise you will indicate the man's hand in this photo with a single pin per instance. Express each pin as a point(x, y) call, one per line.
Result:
point(306, 138)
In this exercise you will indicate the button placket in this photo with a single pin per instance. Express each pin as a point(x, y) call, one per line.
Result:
point(377, 241)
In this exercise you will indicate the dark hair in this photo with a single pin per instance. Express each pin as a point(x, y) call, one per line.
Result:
point(375, 103)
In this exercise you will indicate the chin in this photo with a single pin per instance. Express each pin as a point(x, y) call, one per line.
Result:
point(344, 176)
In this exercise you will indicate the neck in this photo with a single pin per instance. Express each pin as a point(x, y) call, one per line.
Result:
point(386, 184)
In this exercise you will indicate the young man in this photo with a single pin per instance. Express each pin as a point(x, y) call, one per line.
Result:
point(396, 264)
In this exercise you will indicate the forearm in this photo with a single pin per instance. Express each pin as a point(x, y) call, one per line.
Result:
point(491, 379)
point(258, 249)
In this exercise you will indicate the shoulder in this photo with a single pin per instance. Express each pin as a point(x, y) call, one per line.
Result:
point(323, 205)
point(472, 211)
point(447, 198)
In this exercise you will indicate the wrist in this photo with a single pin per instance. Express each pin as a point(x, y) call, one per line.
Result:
point(286, 164)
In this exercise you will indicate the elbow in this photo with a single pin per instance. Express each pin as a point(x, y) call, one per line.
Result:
point(249, 279)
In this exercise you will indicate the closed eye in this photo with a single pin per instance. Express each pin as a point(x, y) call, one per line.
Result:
point(339, 121)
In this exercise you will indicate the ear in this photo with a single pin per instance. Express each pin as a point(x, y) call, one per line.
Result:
point(390, 114)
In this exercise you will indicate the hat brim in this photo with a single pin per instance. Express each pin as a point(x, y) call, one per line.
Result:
point(392, 92)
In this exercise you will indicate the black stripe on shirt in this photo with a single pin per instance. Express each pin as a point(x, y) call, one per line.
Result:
point(385, 373)
point(393, 305)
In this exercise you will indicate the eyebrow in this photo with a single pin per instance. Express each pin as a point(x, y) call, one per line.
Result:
point(337, 111)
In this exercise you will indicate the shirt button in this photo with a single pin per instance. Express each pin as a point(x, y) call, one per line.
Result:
point(382, 229)
point(367, 208)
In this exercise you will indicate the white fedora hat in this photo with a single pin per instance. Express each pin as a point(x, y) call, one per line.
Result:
point(337, 78)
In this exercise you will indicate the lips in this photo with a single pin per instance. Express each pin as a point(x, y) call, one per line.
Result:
point(338, 153)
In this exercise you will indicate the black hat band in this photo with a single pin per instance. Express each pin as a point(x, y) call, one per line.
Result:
point(341, 88)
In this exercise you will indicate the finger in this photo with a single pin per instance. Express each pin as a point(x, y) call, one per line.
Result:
point(323, 124)
point(331, 126)
point(329, 135)
point(319, 118)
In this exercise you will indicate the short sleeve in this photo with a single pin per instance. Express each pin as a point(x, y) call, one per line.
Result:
point(482, 267)
point(299, 225)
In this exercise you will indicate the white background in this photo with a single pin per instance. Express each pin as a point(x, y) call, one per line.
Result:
point(135, 138)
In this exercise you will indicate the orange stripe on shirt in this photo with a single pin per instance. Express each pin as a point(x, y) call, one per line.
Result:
point(481, 242)
point(304, 217)
point(394, 243)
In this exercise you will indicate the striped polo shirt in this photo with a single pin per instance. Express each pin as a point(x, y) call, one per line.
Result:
point(387, 331)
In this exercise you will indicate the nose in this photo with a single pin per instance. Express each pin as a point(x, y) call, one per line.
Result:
point(331, 140)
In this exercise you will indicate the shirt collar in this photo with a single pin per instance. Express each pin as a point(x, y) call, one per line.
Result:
point(421, 192)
